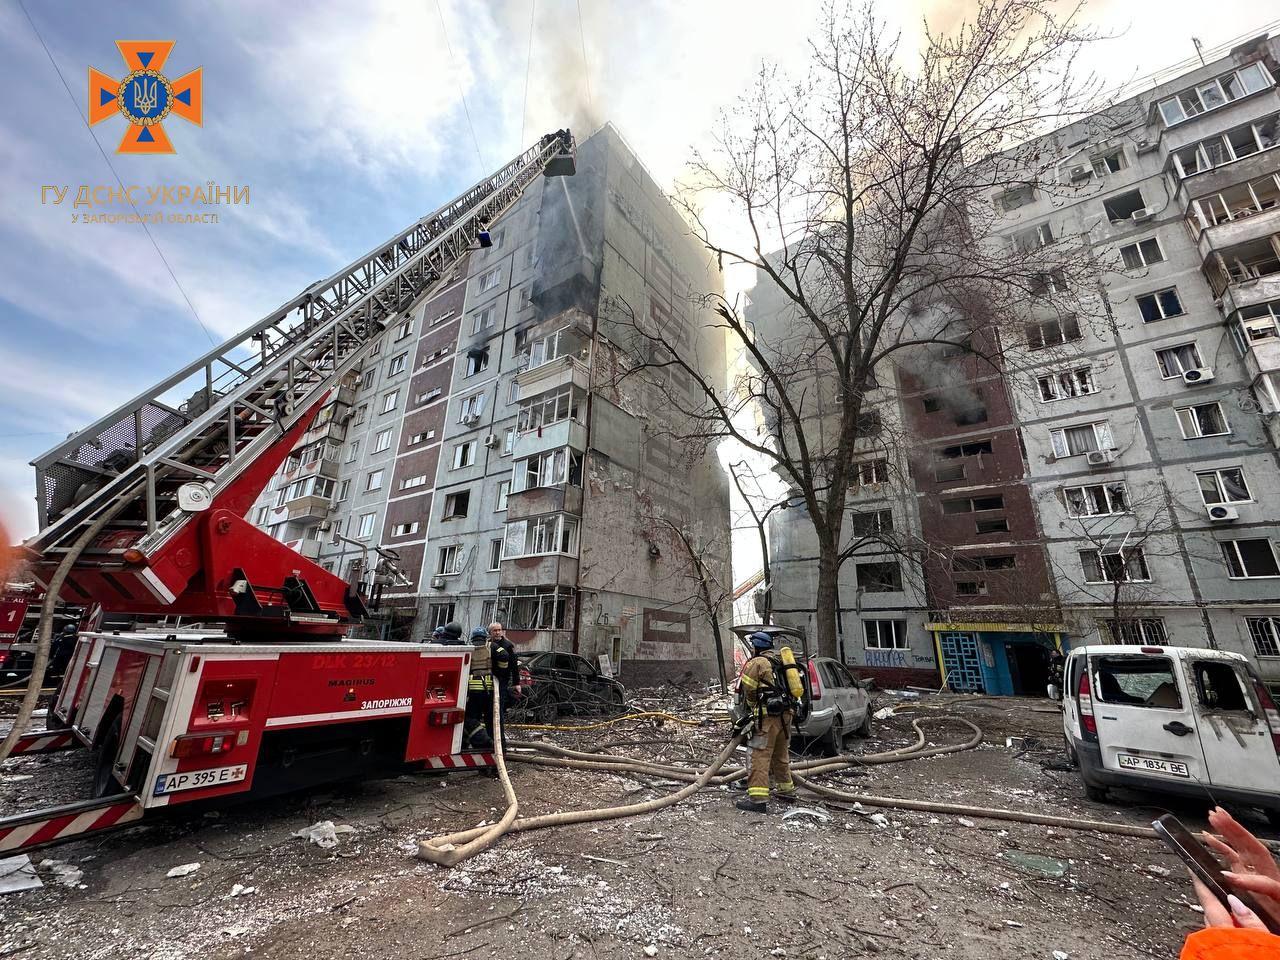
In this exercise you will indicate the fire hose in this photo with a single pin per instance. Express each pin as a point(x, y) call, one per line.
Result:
point(44, 632)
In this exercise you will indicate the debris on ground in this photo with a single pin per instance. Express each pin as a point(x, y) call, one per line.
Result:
point(183, 870)
point(324, 833)
point(820, 815)
point(18, 874)
point(61, 872)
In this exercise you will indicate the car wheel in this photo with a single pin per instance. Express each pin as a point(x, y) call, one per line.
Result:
point(104, 781)
point(617, 700)
point(1095, 793)
point(864, 728)
point(834, 741)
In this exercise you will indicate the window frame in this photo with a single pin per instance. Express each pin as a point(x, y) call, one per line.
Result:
point(1108, 496)
point(1190, 410)
point(1103, 439)
point(1057, 378)
point(1216, 474)
point(1230, 548)
point(1137, 246)
point(898, 639)
point(1156, 299)
point(1133, 554)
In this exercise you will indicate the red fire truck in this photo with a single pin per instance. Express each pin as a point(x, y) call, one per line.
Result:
point(259, 691)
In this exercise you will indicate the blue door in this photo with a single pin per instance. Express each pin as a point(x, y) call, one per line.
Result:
point(960, 662)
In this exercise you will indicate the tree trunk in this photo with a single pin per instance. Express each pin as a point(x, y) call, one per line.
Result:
point(715, 632)
point(826, 632)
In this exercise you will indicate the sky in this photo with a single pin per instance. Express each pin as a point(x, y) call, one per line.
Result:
point(348, 121)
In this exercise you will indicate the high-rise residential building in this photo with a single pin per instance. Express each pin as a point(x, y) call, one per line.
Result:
point(495, 446)
point(1115, 478)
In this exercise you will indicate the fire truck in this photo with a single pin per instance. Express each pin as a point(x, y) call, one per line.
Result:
point(238, 679)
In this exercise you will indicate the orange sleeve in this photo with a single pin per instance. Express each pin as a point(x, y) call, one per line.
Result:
point(1230, 943)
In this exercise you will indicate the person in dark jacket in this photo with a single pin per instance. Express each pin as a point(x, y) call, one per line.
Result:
point(505, 666)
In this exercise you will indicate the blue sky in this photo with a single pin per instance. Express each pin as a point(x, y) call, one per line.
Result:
point(345, 119)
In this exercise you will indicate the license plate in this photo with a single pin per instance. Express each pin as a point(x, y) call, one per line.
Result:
point(1147, 765)
point(199, 779)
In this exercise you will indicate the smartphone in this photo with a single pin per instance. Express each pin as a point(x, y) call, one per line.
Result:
point(1204, 865)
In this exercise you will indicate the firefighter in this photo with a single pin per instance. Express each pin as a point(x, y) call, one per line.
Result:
point(772, 708)
point(505, 667)
point(477, 726)
point(450, 633)
point(61, 651)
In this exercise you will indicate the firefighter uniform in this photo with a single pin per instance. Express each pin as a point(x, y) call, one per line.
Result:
point(477, 730)
point(770, 757)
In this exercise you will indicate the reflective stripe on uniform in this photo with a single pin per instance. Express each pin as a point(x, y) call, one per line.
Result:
point(758, 793)
point(749, 681)
point(787, 788)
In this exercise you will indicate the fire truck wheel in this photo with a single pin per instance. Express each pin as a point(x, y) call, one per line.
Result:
point(104, 781)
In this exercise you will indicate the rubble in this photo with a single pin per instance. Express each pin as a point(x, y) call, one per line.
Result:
point(18, 874)
point(324, 833)
point(183, 870)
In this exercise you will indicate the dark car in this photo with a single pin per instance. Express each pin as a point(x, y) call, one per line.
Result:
point(567, 683)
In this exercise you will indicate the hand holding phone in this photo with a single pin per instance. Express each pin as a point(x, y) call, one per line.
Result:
point(1204, 867)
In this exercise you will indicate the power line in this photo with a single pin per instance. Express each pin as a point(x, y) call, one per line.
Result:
point(528, 63)
point(143, 223)
point(457, 80)
point(586, 68)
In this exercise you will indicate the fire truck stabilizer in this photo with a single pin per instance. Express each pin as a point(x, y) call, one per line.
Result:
point(277, 698)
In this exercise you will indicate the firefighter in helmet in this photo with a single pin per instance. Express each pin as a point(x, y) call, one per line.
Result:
point(764, 689)
point(477, 727)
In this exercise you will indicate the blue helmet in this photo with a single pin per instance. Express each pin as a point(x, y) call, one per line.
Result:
point(761, 641)
point(479, 633)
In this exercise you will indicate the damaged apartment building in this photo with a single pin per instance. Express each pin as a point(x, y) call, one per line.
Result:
point(1115, 478)
point(492, 445)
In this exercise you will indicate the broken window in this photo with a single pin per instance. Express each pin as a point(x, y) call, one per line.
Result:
point(1077, 441)
point(970, 415)
point(1214, 93)
point(1112, 162)
point(974, 448)
point(1049, 282)
point(994, 525)
point(1134, 631)
point(457, 504)
point(1250, 559)
point(1202, 420)
point(870, 471)
point(1095, 499)
point(946, 473)
point(1141, 254)
point(1016, 197)
point(1218, 686)
point(1122, 207)
point(1033, 238)
point(1175, 361)
point(1052, 333)
point(1145, 681)
point(1225, 485)
point(885, 634)
point(871, 523)
point(1118, 566)
point(881, 577)
point(1159, 305)
point(1068, 383)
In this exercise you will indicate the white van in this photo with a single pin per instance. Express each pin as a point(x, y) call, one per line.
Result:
point(1177, 720)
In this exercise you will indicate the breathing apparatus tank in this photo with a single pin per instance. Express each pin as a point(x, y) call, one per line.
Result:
point(792, 670)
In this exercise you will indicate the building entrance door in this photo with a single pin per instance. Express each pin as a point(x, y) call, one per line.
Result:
point(960, 662)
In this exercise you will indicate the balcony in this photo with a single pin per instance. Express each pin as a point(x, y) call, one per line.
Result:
point(1248, 224)
point(537, 501)
point(309, 508)
point(551, 570)
point(335, 429)
point(566, 433)
point(552, 375)
point(307, 548)
point(1246, 274)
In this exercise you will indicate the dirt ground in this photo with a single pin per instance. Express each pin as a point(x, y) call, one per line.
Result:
point(699, 879)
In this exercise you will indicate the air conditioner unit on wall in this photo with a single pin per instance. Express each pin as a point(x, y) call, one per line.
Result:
point(1145, 146)
point(1100, 458)
point(437, 582)
point(1220, 513)
point(491, 440)
point(1143, 215)
point(1081, 173)
point(1197, 375)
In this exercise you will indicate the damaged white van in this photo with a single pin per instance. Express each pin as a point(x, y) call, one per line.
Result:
point(1174, 720)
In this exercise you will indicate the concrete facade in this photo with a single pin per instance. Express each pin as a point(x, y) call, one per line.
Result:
point(1116, 460)
point(520, 479)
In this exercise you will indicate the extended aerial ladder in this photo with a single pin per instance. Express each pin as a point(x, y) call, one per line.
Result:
point(181, 464)
point(143, 512)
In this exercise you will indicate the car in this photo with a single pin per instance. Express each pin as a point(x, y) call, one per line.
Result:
point(839, 707)
point(835, 704)
point(1188, 721)
point(567, 683)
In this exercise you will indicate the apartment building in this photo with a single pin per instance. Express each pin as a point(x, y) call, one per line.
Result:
point(1116, 479)
point(493, 446)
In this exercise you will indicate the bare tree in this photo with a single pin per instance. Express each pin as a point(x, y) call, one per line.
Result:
point(711, 589)
point(865, 190)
